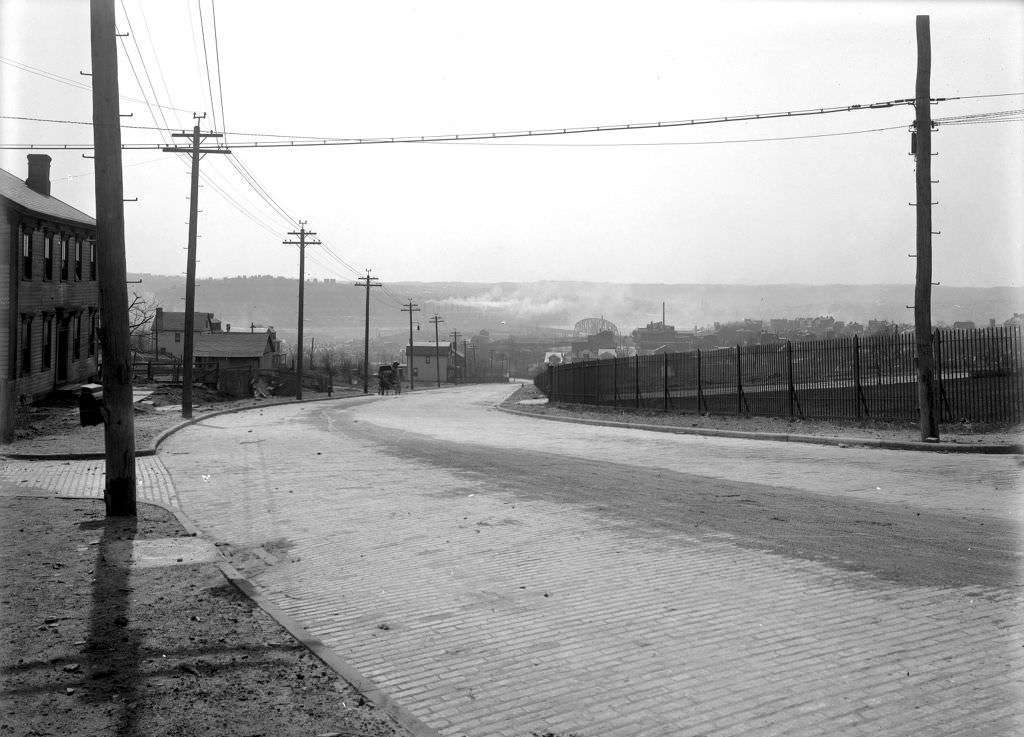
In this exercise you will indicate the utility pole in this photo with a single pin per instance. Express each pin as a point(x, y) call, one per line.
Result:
point(190, 274)
point(455, 344)
point(410, 308)
point(465, 356)
point(118, 415)
point(370, 282)
point(437, 352)
point(301, 243)
point(923, 287)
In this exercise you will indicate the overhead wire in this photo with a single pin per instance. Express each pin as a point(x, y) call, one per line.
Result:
point(159, 66)
point(1001, 116)
point(195, 50)
point(206, 62)
point(216, 46)
point(124, 46)
point(538, 133)
point(63, 80)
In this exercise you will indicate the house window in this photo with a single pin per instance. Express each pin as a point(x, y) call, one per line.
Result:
point(26, 344)
point(78, 259)
point(47, 340)
point(92, 332)
point(76, 345)
point(63, 256)
point(26, 252)
point(48, 257)
point(92, 260)
point(177, 337)
point(428, 358)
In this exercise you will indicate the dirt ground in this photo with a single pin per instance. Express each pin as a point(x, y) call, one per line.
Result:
point(95, 646)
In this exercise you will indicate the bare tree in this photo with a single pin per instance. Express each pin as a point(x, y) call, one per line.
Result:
point(141, 313)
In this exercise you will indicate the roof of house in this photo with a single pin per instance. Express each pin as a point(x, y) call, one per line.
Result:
point(429, 349)
point(14, 189)
point(175, 321)
point(232, 345)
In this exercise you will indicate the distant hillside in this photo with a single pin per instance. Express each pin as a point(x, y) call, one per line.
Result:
point(334, 311)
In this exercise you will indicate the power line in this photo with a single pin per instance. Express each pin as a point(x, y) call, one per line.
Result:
point(66, 80)
point(1002, 116)
point(537, 133)
point(216, 47)
point(674, 143)
point(195, 49)
point(206, 61)
point(159, 67)
point(145, 69)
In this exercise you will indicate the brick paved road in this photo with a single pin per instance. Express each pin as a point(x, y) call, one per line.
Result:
point(488, 606)
point(496, 584)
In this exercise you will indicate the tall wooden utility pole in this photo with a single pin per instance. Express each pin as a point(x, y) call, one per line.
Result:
point(370, 282)
point(410, 308)
point(923, 287)
point(301, 243)
point(455, 358)
point(190, 272)
point(118, 418)
point(437, 351)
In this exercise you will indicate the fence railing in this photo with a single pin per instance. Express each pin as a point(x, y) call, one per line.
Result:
point(979, 378)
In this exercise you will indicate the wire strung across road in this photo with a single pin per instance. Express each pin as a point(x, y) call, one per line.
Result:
point(507, 134)
point(298, 142)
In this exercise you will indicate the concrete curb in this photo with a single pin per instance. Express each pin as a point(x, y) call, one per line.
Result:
point(97, 455)
point(984, 448)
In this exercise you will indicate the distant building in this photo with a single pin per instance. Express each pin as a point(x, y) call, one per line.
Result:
point(593, 345)
point(428, 361)
point(49, 304)
point(964, 325)
point(169, 330)
point(658, 336)
point(255, 351)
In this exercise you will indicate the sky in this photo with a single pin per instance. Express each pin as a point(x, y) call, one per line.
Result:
point(812, 199)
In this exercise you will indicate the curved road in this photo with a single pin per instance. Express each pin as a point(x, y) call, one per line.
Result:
point(503, 575)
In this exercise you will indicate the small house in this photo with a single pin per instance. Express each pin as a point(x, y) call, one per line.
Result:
point(428, 361)
point(169, 330)
point(254, 351)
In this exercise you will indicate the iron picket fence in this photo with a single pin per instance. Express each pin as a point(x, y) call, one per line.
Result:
point(979, 376)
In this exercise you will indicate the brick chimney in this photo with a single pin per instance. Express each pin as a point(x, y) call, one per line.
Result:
point(39, 173)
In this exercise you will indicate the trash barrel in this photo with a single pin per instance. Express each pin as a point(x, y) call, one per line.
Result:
point(90, 403)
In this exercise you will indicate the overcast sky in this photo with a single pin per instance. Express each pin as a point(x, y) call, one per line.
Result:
point(703, 204)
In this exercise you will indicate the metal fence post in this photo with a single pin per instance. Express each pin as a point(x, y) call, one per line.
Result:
point(700, 387)
point(858, 395)
point(665, 382)
point(615, 381)
point(636, 377)
point(791, 390)
point(739, 381)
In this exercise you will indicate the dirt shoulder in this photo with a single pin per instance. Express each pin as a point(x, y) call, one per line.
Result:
point(53, 428)
point(529, 399)
point(94, 644)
